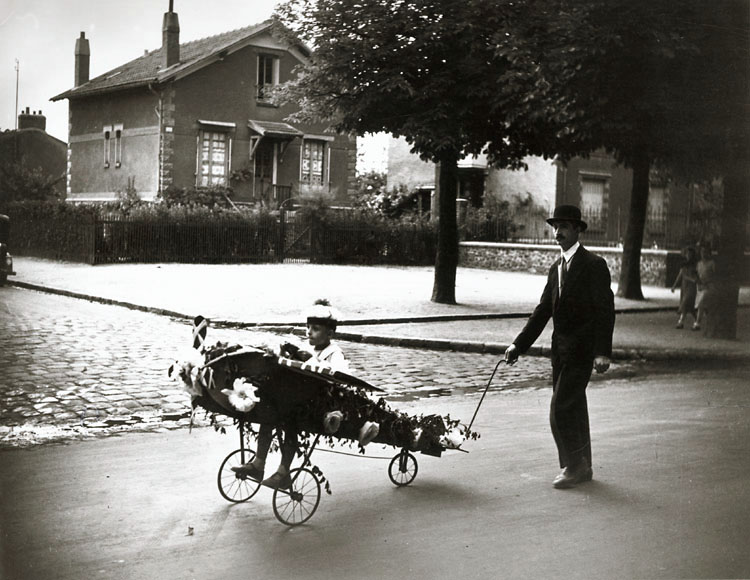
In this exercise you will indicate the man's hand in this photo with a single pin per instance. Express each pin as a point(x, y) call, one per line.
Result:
point(511, 355)
point(601, 363)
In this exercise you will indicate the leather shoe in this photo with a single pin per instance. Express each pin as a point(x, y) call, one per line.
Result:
point(278, 481)
point(572, 477)
point(249, 470)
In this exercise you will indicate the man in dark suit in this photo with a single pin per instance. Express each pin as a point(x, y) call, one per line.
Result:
point(579, 300)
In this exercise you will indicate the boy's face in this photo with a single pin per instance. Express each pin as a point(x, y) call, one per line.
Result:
point(318, 335)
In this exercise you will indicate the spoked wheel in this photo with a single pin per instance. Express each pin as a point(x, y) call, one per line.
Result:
point(403, 468)
point(297, 505)
point(234, 487)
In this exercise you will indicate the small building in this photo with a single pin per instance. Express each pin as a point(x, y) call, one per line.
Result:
point(478, 182)
point(30, 147)
point(677, 213)
point(199, 114)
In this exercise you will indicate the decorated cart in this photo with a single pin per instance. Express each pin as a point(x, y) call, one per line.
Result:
point(264, 384)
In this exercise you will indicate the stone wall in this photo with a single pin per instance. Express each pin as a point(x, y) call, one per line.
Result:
point(658, 267)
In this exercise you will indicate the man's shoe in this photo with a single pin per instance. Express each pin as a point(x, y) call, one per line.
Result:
point(572, 477)
point(278, 481)
point(249, 470)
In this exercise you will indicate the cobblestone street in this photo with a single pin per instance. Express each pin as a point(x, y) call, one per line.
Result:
point(74, 369)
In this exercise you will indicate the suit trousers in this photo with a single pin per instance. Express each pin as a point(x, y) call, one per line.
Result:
point(569, 413)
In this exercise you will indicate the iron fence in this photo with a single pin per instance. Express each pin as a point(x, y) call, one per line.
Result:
point(666, 230)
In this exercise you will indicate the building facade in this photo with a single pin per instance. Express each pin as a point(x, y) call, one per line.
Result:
point(678, 214)
point(199, 114)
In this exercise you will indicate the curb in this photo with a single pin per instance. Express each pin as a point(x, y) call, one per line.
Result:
point(425, 343)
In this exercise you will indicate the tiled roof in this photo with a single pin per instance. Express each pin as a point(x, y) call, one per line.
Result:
point(147, 68)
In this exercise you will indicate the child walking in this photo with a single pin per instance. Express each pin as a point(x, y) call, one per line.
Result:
point(687, 279)
point(706, 269)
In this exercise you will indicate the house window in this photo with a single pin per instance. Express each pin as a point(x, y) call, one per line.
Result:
point(656, 219)
point(118, 146)
point(594, 201)
point(214, 159)
point(657, 201)
point(107, 134)
point(313, 158)
point(268, 75)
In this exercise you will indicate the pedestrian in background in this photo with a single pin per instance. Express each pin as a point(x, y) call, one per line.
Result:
point(687, 280)
point(579, 299)
point(706, 269)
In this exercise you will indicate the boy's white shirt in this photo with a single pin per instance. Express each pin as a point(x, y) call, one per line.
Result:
point(333, 356)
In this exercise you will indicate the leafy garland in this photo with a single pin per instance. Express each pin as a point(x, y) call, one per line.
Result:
point(429, 434)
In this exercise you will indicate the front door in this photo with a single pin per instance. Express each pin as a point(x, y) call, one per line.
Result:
point(265, 172)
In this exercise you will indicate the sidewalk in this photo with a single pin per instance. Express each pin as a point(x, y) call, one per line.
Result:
point(380, 304)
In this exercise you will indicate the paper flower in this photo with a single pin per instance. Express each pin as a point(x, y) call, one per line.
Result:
point(186, 369)
point(368, 432)
point(332, 421)
point(242, 396)
point(453, 439)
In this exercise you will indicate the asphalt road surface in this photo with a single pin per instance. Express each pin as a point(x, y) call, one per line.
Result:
point(138, 499)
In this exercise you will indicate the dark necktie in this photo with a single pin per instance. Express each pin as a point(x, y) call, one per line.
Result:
point(563, 272)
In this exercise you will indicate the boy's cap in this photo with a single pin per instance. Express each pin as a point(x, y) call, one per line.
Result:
point(323, 313)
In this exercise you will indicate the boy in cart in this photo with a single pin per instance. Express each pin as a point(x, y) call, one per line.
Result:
point(322, 321)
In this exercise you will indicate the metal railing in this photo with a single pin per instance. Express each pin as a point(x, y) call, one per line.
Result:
point(662, 229)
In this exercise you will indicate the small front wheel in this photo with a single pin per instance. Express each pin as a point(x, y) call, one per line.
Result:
point(403, 468)
point(233, 487)
point(296, 505)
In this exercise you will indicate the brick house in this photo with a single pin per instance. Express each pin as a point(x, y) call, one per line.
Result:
point(198, 114)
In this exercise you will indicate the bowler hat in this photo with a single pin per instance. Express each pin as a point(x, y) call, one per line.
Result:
point(567, 213)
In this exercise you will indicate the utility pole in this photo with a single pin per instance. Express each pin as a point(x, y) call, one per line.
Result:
point(15, 113)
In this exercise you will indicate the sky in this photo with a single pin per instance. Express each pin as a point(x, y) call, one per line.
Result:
point(41, 34)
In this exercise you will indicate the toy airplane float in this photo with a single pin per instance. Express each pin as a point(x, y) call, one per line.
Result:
point(265, 384)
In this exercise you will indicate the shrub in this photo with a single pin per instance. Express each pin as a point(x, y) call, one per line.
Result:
point(18, 183)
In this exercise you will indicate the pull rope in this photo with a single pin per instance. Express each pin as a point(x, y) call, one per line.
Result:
point(501, 361)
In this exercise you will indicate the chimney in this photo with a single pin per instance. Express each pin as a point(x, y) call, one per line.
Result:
point(27, 120)
point(83, 55)
point(170, 38)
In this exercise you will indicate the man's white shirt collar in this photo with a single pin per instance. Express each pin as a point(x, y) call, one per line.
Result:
point(568, 254)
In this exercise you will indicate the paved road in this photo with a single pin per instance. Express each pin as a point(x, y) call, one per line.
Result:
point(669, 499)
point(74, 369)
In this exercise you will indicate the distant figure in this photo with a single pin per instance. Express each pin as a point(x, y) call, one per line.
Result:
point(706, 269)
point(687, 280)
point(579, 299)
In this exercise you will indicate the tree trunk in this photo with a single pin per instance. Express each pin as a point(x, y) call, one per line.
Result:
point(446, 259)
point(721, 311)
point(630, 269)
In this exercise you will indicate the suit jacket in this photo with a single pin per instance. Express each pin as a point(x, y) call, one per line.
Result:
point(583, 316)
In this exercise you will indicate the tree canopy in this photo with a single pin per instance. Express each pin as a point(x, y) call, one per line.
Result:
point(653, 82)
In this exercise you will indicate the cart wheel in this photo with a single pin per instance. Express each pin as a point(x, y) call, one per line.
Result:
point(403, 468)
point(233, 487)
point(297, 505)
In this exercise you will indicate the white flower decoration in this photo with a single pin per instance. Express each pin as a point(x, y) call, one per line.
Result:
point(453, 438)
point(242, 396)
point(186, 369)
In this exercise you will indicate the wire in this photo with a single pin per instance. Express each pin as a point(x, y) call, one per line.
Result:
point(350, 454)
